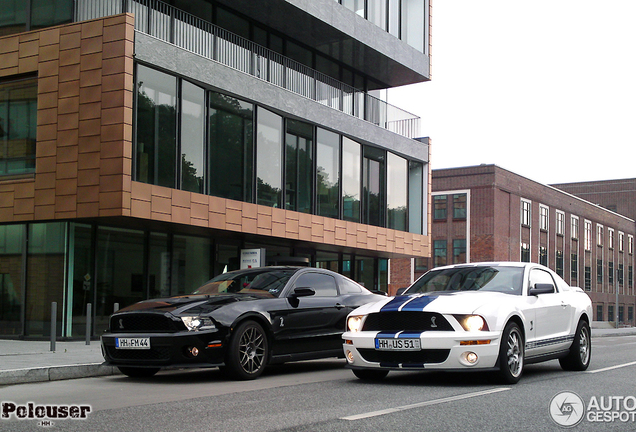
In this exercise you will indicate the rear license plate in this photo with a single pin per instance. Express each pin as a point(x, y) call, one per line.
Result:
point(132, 343)
point(397, 344)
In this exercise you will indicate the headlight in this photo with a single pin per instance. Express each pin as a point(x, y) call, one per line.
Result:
point(354, 323)
point(197, 323)
point(472, 322)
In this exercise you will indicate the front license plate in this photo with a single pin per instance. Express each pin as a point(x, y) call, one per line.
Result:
point(132, 343)
point(397, 344)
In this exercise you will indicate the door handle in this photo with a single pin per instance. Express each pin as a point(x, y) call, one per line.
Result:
point(340, 306)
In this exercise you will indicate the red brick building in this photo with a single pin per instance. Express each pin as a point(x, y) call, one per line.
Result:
point(486, 213)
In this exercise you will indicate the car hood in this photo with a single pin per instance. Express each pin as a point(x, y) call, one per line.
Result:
point(194, 303)
point(444, 302)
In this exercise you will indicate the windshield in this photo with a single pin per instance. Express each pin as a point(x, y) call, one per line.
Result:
point(267, 282)
point(507, 280)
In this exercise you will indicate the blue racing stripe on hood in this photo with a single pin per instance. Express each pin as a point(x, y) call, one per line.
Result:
point(394, 305)
point(419, 303)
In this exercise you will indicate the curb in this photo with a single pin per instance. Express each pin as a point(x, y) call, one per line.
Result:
point(55, 373)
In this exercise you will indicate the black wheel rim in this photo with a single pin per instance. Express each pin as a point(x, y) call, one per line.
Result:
point(251, 350)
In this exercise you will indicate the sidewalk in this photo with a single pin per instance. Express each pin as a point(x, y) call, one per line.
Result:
point(24, 361)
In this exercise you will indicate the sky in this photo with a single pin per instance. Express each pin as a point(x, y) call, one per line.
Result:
point(543, 88)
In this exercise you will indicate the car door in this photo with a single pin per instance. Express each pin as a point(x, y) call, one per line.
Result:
point(312, 323)
point(550, 325)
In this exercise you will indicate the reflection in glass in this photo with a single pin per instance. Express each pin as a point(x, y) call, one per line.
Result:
point(156, 127)
point(120, 272)
point(413, 22)
point(416, 196)
point(231, 148)
point(18, 126)
point(373, 186)
point(351, 176)
point(397, 177)
point(190, 264)
point(11, 243)
point(328, 173)
point(192, 137)
point(299, 166)
point(46, 253)
point(46, 13)
point(269, 136)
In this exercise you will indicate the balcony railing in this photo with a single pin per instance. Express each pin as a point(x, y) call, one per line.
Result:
point(191, 33)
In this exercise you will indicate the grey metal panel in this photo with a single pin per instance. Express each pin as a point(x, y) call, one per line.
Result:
point(362, 45)
point(212, 74)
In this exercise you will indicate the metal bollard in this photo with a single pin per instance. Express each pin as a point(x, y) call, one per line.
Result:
point(89, 316)
point(53, 324)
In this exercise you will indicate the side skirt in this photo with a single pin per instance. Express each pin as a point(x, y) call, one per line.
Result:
point(545, 357)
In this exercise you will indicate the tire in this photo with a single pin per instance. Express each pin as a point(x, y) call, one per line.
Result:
point(135, 372)
point(578, 359)
point(248, 352)
point(370, 374)
point(511, 354)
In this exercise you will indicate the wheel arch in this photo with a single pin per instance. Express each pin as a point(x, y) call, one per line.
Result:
point(260, 319)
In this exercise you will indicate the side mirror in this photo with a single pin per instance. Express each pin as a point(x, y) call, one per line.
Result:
point(303, 292)
point(541, 288)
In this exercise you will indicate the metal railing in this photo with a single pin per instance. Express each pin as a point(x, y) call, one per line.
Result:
point(201, 37)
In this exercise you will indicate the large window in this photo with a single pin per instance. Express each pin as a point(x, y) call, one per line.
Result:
point(416, 197)
point(328, 173)
point(11, 264)
point(269, 134)
point(192, 137)
point(351, 176)
point(231, 147)
point(15, 14)
point(440, 207)
point(18, 125)
point(373, 186)
point(299, 142)
point(525, 213)
point(439, 253)
point(156, 127)
point(397, 181)
point(459, 206)
point(459, 251)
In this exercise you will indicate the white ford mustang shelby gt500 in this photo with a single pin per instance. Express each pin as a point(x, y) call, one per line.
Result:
point(483, 316)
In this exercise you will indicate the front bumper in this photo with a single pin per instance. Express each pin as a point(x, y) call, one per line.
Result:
point(440, 350)
point(167, 350)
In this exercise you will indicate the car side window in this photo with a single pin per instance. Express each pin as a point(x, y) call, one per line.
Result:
point(538, 276)
point(324, 285)
point(349, 287)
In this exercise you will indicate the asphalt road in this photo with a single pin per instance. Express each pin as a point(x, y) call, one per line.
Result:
point(324, 396)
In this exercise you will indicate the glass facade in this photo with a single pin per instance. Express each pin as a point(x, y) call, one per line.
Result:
point(231, 147)
point(397, 183)
point(156, 127)
point(269, 133)
point(18, 125)
point(328, 173)
point(299, 147)
point(12, 261)
point(373, 186)
point(351, 176)
point(15, 14)
point(192, 137)
point(254, 155)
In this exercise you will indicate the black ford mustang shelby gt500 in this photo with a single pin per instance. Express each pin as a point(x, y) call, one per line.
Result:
point(239, 321)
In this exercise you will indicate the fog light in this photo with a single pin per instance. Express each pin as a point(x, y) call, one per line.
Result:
point(471, 357)
point(194, 351)
point(349, 356)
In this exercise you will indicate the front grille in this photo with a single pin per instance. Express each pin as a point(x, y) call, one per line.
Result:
point(406, 321)
point(405, 357)
point(155, 353)
point(135, 322)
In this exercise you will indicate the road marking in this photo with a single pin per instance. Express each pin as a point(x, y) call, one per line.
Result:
point(423, 404)
point(612, 367)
